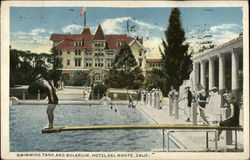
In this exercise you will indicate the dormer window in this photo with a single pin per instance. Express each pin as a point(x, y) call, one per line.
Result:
point(120, 43)
point(99, 44)
point(78, 43)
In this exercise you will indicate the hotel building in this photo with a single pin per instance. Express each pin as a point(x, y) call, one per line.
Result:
point(94, 53)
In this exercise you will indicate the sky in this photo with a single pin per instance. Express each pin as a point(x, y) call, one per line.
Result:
point(31, 27)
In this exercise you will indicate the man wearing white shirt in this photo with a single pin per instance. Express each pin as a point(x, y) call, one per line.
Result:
point(214, 103)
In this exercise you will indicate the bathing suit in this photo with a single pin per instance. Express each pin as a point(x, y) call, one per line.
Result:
point(202, 100)
point(233, 121)
point(189, 98)
point(55, 98)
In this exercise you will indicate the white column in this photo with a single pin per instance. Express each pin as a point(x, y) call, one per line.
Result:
point(222, 82)
point(211, 73)
point(195, 75)
point(203, 74)
point(235, 71)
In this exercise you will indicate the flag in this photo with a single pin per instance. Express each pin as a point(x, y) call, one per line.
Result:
point(83, 11)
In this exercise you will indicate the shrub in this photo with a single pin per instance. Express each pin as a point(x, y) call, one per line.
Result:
point(100, 89)
point(14, 92)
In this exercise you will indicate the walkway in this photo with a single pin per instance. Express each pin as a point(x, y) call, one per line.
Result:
point(187, 141)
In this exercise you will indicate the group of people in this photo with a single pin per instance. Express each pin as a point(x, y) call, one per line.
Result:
point(210, 103)
point(153, 97)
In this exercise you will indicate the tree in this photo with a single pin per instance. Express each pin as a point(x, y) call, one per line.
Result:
point(77, 78)
point(176, 62)
point(25, 66)
point(14, 62)
point(114, 78)
point(136, 77)
point(125, 72)
point(56, 73)
point(154, 79)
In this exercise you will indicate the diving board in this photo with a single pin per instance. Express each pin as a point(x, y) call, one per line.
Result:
point(144, 126)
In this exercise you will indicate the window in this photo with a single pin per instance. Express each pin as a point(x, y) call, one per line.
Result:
point(77, 62)
point(88, 62)
point(78, 43)
point(120, 43)
point(68, 62)
point(88, 53)
point(77, 52)
point(99, 44)
point(68, 52)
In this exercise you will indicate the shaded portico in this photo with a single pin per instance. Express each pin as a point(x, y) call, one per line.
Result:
point(220, 67)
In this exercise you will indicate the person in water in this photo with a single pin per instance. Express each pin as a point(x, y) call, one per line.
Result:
point(52, 98)
point(233, 119)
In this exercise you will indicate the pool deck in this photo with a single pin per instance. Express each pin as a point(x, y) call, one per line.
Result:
point(191, 141)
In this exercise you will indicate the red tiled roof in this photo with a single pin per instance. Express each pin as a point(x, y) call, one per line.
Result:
point(67, 40)
point(60, 37)
point(99, 35)
point(112, 40)
point(68, 44)
point(86, 30)
point(153, 60)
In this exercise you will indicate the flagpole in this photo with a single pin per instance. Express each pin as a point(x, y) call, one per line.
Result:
point(85, 18)
point(82, 20)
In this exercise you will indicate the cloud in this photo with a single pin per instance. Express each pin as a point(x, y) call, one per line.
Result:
point(114, 26)
point(23, 45)
point(119, 26)
point(19, 33)
point(217, 35)
point(37, 31)
point(41, 40)
point(223, 27)
point(148, 26)
point(72, 28)
point(36, 41)
point(33, 32)
point(224, 37)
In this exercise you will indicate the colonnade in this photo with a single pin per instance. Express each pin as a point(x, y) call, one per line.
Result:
point(233, 49)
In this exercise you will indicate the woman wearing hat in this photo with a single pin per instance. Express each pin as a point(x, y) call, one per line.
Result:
point(214, 104)
point(233, 119)
point(52, 97)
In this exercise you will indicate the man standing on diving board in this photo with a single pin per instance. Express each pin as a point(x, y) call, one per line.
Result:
point(52, 98)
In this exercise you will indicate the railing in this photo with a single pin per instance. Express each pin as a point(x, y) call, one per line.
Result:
point(163, 127)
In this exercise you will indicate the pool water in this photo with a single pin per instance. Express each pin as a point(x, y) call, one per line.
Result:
point(27, 121)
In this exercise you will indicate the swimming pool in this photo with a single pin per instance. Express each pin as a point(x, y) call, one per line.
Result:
point(27, 121)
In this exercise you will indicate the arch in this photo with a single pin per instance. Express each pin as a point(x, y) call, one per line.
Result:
point(97, 75)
